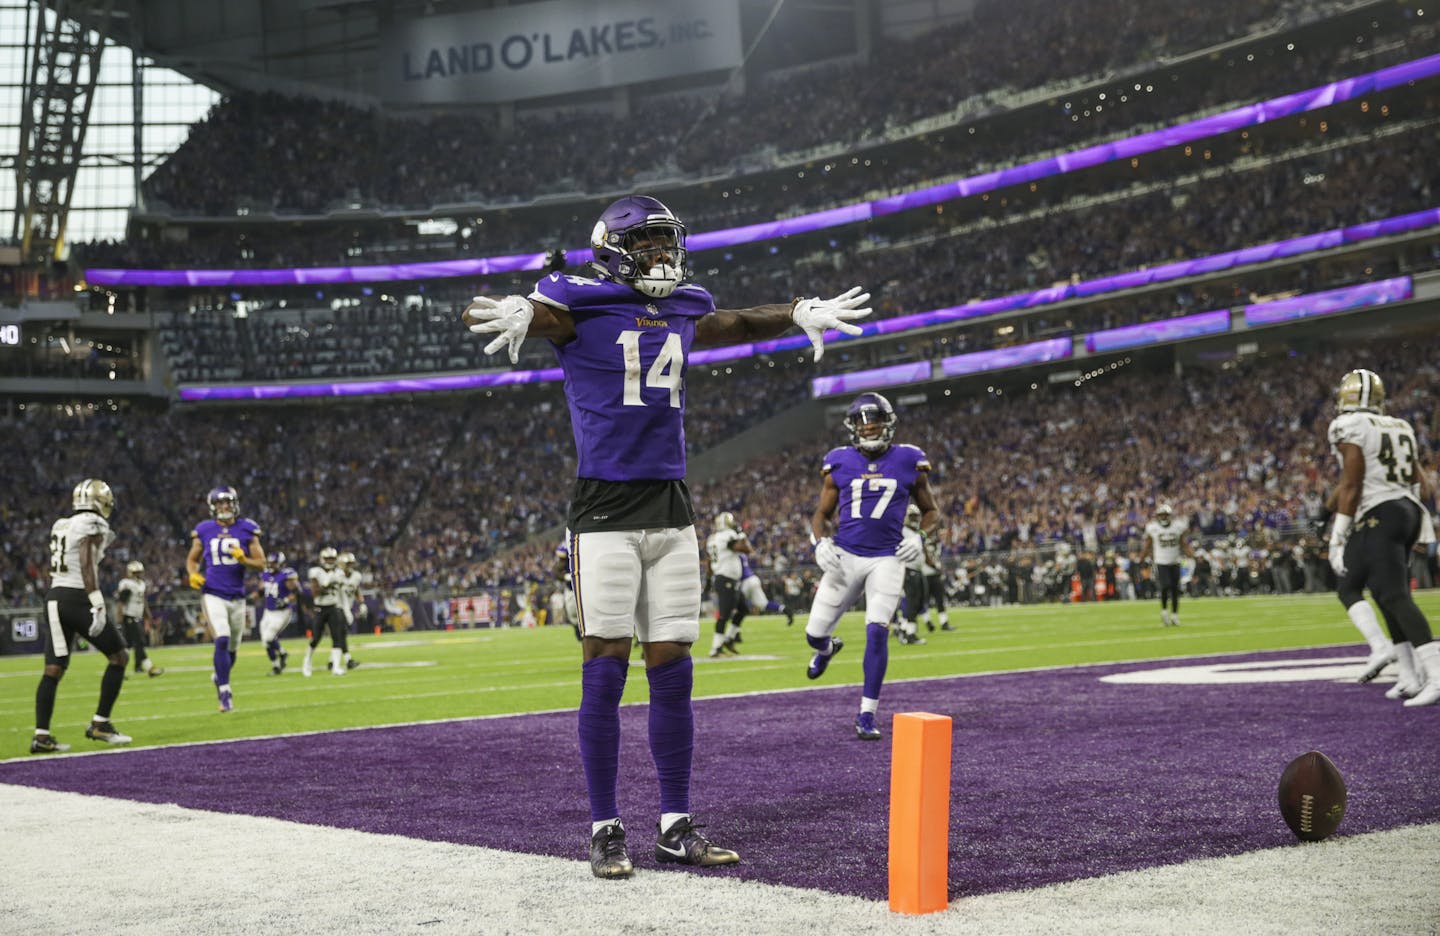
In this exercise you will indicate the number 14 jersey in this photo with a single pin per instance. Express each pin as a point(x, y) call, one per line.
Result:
point(625, 374)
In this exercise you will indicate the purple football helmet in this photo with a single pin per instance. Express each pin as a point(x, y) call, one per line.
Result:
point(224, 504)
point(639, 241)
point(870, 410)
point(275, 560)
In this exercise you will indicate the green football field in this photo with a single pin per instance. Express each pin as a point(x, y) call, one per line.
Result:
point(421, 676)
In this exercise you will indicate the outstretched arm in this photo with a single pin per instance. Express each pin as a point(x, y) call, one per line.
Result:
point(512, 319)
point(815, 316)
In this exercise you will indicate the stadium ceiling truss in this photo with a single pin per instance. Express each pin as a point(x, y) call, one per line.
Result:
point(63, 64)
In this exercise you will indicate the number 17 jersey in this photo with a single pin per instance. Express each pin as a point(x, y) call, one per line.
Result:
point(625, 374)
point(874, 492)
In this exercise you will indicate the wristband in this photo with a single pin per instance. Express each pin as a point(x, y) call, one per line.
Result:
point(97, 600)
point(1342, 525)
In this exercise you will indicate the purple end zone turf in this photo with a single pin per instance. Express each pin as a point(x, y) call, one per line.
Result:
point(1057, 776)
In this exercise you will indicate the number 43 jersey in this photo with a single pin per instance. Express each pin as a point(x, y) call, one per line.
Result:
point(1388, 444)
point(625, 374)
point(874, 491)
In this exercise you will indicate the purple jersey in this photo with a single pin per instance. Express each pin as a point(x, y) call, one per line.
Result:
point(625, 374)
point(874, 492)
point(224, 574)
point(745, 570)
point(281, 587)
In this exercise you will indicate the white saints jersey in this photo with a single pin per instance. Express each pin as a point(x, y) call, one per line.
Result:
point(908, 535)
point(724, 560)
point(350, 588)
point(131, 594)
point(1388, 444)
point(65, 538)
point(326, 586)
point(1167, 541)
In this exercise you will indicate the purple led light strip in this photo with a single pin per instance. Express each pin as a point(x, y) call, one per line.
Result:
point(1248, 116)
point(1170, 271)
point(1130, 336)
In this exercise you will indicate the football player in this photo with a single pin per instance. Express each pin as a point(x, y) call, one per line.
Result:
point(870, 482)
point(1164, 542)
point(622, 335)
point(327, 583)
point(281, 585)
point(352, 602)
point(934, 569)
point(1379, 516)
point(725, 549)
point(915, 583)
point(134, 615)
point(221, 549)
point(74, 607)
point(565, 606)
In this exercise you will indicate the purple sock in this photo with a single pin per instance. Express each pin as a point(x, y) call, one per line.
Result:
point(272, 650)
point(672, 731)
point(602, 682)
point(877, 655)
point(222, 661)
point(821, 644)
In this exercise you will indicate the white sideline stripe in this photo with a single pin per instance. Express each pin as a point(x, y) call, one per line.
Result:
point(30, 759)
point(391, 884)
point(57, 633)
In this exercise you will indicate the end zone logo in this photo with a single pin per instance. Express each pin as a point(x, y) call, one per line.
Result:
point(1340, 669)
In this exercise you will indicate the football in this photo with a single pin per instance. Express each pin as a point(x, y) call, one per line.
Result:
point(1312, 796)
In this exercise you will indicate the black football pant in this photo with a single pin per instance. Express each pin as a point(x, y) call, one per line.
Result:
point(1377, 557)
point(1167, 577)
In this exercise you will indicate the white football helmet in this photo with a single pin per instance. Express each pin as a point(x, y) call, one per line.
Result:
point(328, 557)
point(1163, 514)
point(134, 568)
point(725, 521)
point(347, 559)
point(93, 494)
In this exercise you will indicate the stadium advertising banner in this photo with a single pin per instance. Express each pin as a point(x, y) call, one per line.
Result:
point(560, 47)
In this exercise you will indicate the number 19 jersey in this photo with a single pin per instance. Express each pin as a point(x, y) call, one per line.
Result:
point(625, 374)
point(224, 574)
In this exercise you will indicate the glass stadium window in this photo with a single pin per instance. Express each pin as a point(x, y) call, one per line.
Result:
point(105, 184)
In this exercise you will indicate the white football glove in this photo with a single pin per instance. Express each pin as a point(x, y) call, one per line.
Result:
point(1339, 533)
point(98, 620)
point(910, 549)
point(510, 317)
point(827, 555)
point(815, 315)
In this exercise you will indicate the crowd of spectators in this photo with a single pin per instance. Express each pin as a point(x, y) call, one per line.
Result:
point(1347, 182)
point(469, 492)
point(884, 170)
point(283, 153)
point(1236, 450)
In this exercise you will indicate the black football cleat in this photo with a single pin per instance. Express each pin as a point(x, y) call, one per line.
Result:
point(608, 857)
point(684, 844)
point(351, 664)
point(104, 731)
point(45, 744)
